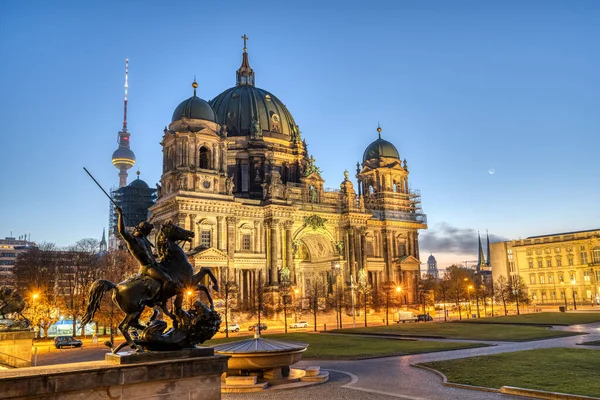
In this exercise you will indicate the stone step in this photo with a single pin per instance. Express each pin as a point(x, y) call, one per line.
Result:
point(321, 378)
point(244, 388)
point(241, 380)
point(312, 371)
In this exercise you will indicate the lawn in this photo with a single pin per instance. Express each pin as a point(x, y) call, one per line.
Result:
point(573, 371)
point(452, 330)
point(543, 318)
point(326, 346)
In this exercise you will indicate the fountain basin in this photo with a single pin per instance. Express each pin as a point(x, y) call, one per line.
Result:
point(258, 354)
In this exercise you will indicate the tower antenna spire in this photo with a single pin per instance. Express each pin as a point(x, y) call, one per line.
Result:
point(125, 99)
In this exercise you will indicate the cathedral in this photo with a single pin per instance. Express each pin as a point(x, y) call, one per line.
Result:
point(237, 173)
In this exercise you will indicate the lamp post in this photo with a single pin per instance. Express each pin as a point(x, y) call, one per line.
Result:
point(296, 291)
point(573, 290)
point(562, 284)
point(469, 295)
point(34, 297)
point(338, 316)
point(352, 292)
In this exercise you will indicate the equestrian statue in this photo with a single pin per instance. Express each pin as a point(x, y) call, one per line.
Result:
point(160, 278)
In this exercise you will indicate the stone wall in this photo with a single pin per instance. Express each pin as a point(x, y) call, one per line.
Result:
point(191, 378)
point(15, 348)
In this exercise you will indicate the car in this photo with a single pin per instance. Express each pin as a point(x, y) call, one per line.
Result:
point(66, 341)
point(424, 318)
point(231, 328)
point(263, 327)
point(299, 324)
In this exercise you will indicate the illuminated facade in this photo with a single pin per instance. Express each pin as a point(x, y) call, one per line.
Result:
point(553, 266)
point(236, 171)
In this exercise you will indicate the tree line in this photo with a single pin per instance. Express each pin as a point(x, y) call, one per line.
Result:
point(55, 282)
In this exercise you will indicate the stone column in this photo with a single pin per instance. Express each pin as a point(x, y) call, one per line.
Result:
point(386, 255)
point(409, 243)
point(273, 252)
point(416, 244)
point(351, 253)
point(289, 257)
point(257, 236)
point(231, 232)
point(220, 244)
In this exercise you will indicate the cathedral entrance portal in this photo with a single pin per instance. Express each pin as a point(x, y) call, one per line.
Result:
point(316, 258)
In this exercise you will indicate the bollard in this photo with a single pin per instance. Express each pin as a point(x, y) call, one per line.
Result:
point(34, 356)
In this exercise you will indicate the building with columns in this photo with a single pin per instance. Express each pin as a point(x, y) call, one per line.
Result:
point(236, 171)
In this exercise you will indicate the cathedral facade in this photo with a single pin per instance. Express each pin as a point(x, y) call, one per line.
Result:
point(236, 171)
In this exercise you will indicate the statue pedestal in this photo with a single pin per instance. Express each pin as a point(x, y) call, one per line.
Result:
point(167, 377)
point(15, 348)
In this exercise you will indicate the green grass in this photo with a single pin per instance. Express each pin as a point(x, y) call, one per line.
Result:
point(325, 346)
point(514, 333)
point(592, 343)
point(543, 318)
point(573, 371)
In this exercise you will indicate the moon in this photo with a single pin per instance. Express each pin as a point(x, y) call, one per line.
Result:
point(491, 171)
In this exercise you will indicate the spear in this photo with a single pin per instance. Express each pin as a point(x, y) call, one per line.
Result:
point(112, 201)
point(110, 198)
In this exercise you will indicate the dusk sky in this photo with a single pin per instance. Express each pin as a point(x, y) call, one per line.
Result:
point(494, 105)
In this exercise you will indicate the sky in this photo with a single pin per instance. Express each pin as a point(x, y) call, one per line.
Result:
point(493, 104)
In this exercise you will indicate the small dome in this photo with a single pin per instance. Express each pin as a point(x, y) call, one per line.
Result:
point(380, 148)
point(431, 259)
point(123, 157)
point(194, 108)
point(139, 184)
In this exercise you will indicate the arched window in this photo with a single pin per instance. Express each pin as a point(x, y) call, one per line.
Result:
point(596, 254)
point(204, 159)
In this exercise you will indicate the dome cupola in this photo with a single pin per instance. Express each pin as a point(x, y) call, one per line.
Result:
point(250, 111)
point(194, 108)
point(380, 148)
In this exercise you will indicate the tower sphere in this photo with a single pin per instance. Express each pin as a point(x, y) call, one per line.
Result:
point(123, 158)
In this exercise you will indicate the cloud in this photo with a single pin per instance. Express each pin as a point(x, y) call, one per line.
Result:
point(449, 239)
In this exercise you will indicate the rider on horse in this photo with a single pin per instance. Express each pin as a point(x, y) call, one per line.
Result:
point(140, 249)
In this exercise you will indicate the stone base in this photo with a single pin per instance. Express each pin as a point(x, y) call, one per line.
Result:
point(131, 357)
point(297, 378)
point(15, 348)
point(174, 379)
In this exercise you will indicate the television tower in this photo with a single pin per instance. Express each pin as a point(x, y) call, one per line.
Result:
point(123, 158)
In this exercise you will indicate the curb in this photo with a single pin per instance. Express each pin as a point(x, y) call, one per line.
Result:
point(511, 390)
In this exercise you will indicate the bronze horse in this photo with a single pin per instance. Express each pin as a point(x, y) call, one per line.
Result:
point(138, 292)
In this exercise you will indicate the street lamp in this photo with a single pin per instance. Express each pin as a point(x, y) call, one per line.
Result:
point(469, 293)
point(562, 284)
point(573, 290)
point(353, 313)
point(35, 296)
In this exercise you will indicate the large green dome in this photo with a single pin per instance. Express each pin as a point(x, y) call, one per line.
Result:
point(380, 148)
point(241, 106)
point(250, 111)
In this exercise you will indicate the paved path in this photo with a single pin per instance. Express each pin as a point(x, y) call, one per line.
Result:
point(393, 377)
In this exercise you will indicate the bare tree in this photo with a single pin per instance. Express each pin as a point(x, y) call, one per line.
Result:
point(285, 299)
point(227, 290)
point(315, 292)
point(501, 291)
point(35, 274)
point(517, 291)
point(78, 269)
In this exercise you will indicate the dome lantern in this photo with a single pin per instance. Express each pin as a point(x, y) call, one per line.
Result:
point(245, 74)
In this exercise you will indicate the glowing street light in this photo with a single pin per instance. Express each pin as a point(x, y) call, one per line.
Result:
point(562, 284)
point(189, 294)
point(469, 293)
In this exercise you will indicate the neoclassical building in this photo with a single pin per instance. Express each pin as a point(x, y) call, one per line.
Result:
point(236, 171)
point(557, 268)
